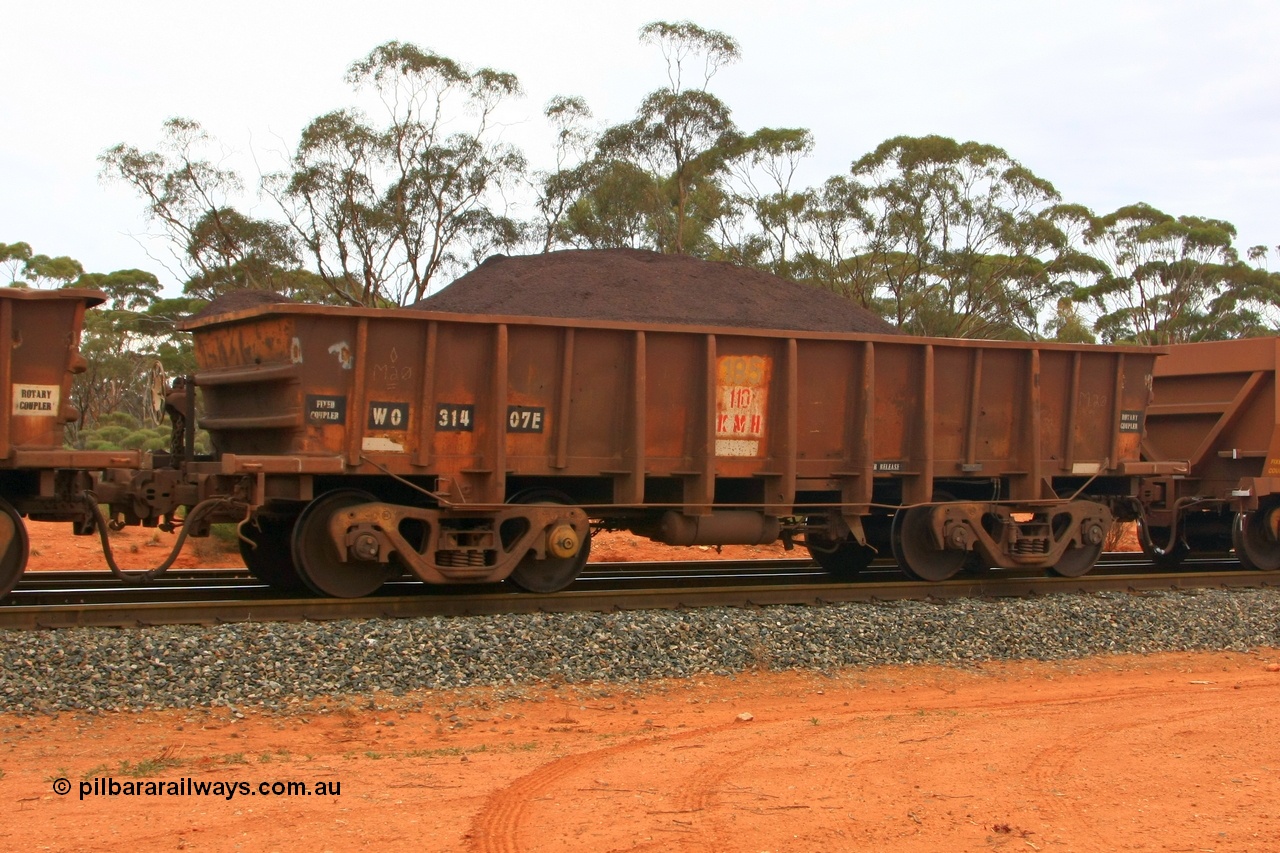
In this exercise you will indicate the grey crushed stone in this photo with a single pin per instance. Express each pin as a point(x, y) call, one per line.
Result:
point(280, 665)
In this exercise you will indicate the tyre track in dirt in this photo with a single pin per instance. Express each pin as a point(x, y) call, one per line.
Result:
point(1068, 755)
point(497, 825)
point(1055, 769)
point(696, 806)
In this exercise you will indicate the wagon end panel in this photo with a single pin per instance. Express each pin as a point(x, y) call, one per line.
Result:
point(249, 373)
point(40, 357)
point(1216, 407)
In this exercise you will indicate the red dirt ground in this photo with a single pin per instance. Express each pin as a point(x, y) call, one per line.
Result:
point(1155, 753)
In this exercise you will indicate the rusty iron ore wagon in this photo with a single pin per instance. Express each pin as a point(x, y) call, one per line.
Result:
point(1218, 411)
point(39, 477)
point(465, 449)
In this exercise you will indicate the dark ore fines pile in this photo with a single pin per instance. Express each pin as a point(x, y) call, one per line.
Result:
point(637, 286)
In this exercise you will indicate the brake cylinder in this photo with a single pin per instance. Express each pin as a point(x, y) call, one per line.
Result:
point(738, 527)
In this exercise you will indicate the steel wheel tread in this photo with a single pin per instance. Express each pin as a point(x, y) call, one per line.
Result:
point(1256, 547)
point(913, 548)
point(1076, 562)
point(317, 560)
point(17, 549)
point(550, 574)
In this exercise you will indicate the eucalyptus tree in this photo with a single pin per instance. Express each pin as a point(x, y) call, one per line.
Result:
point(963, 239)
point(682, 135)
point(24, 268)
point(557, 189)
point(834, 223)
point(767, 215)
point(331, 201)
point(45, 271)
point(191, 197)
point(13, 257)
point(119, 345)
point(383, 209)
point(1169, 279)
point(617, 205)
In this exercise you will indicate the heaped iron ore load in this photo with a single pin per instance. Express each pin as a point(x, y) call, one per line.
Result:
point(638, 286)
point(1217, 411)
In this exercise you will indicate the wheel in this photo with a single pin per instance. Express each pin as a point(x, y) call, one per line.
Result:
point(317, 559)
point(1158, 537)
point(915, 552)
point(272, 560)
point(843, 559)
point(1254, 537)
point(550, 574)
point(1076, 562)
point(14, 547)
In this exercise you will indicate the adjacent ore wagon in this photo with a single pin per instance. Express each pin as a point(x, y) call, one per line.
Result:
point(1217, 412)
point(468, 448)
point(39, 477)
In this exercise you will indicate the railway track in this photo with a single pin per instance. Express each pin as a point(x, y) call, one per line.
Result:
point(215, 596)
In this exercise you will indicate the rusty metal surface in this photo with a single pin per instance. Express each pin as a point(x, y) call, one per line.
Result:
point(663, 414)
point(40, 331)
point(1216, 407)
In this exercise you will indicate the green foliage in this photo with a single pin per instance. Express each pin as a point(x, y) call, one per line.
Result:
point(383, 211)
point(217, 247)
point(127, 290)
point(1168, 280)
point(617, 207)
point(121, 340)
point(44, 271)
point(559, 189)
point(684, 137)
point(963, 241)
point(941, 236)
point(663, 179)
point(683, 42)
point(116, 437)
point(24, 268)
point(13, 257)
point(121, 431)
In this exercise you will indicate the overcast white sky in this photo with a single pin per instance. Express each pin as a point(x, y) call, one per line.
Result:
point(1170, 102)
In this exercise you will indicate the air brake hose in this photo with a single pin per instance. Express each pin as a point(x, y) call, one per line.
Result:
point(100, 522)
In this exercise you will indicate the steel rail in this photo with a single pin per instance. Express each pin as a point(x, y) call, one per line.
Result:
point(433, 601)
point(603, 571)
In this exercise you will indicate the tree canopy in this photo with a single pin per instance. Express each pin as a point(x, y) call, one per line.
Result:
point(378, 206)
